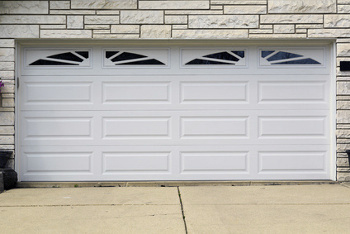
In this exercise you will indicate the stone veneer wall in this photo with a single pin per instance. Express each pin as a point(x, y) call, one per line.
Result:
point(177, 19)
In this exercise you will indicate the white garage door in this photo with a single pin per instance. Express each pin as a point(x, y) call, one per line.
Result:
point(96, 113)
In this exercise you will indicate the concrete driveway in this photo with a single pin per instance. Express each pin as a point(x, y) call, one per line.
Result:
point(201, 209)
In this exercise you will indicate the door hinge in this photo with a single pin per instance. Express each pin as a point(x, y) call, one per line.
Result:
point(17, 82)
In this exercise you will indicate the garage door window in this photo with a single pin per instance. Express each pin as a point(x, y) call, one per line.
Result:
point(71, 58)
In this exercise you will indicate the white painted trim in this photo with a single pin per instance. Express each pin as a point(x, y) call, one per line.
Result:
point(333, 114)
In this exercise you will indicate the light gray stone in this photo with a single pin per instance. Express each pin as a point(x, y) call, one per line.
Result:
point(196, 12)
point(343, 88)
point(210, 34)
point(75, 22)
point(117, 36)
point(7, 66)
point(156, 31)
point(343, 2)
point(125, 29)
point(278, 28)
point(345, 9)
point(19, 31)
point(260, 31)
point(104, 4)
point(72, 12)
point(32, 19)
point(223, 21)
point(7, 140)
point(55, 26)
point(181, 26)
point(108, 12)
point(337, 21)
point(343, 133)
point(7, 75)
point(287, 19)
point(245, 10)
point(24, 7)
point(239, 2)
point(343, 116)
point(7, 118)
point(141, 17)
point(101, 31)
point(203, 4)
point(8, 102)
point(277, 36)
point(307, 26)
point(176, 19)
point(7, 43)
point(328, 33)
point(343, 49)
point(98, 26)
point(59, 4)
point(101, 19)
point(301, 6)
point(7, 55)
point(66, 34)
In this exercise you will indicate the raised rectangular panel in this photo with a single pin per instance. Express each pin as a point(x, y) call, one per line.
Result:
point(213, 92)
point(214, 161)
point(58, 162)
point(136, 92)
point(283, 162)
point(291, 91)
point(292, 126)
point(135, 161)
point(58, 127)
point(214, 127)
point(58, 92)
point(136, 127)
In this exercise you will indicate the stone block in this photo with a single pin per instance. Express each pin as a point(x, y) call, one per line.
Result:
point(239, 2)
point(32, 19)
point(343, 105)
point(343, 2)
point(181, 26)
point(245, 10)
point(210, 34)
point(278, 28)
point(7, 66)
point(192, 5)
point(4, 43)
point(97, 26)
point(197, 12)
point(101, 31)
point(328, 33)
point(344, 9)
point(72, 12)
point(260, 31)
point(175, 19)
point(107, 12)
point(342, 177)
point(116, 36)
point(7, 147)
point(7, 55)
point(19, 31)
point(7, 130)
point(7, 75)
point(343, 116)
point(9, 87)
point(125, 29)
point(7, 118)
point(75, 22)
point(66, 34)
point(344, 133)
point(291, 19)
point(337, 21)
point(301, 6)
point(24, 7)
point(343, 49)
point(308, 26)
point(277, 36)
point(7, 140)
point(223, 21)
point(104, 4)
point(343, 88)
point(55, 26)
point(8, 102)
point(59, 4)
point(101, 19)
point(156, 31)
point(141, 17)
point(301, 30)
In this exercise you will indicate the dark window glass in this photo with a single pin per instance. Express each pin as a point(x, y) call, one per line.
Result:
point(143, 62)
point(299, 61)
point(85, 54)
point(204, 62)
point(283, 55)
point(48, 62)
point(66, 56)
point(266, 53)
point(223, 56)
point(127, 56)
point(239, 53)
point(111, 53)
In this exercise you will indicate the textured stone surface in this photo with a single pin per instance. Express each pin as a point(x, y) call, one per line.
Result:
point(156, 31)
point(197, 12)
point(7, 118)
point(101, 19)
point(104, 4)
point(7, 75)
point(59, 4)
point(241, 10)
point(343, 49)
point(210, 34)
point(223, 21)
point(337, 21)
point(125, 29)
point(76, 22)
point(19, 31)
point(301, 6)
point(176, 19)
point(116, 36)
point(32, 19)
point(285, 19)
point(7, 130)
point(238, 2)
point(55, 26)
point(7, 43)
point(97, 26)
point(328, 33)
point(141, 17)
point(24, 7)
point(203, 4)
point(65, 33)
point(277, 36)
point(283, 28)
point(7, 55)
point(7, 66)
point(345, 9)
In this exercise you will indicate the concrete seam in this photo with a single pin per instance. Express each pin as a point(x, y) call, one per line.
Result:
point(182, 209)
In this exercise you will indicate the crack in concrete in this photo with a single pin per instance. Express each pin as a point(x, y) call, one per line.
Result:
point(182, 210)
